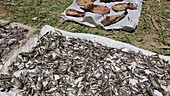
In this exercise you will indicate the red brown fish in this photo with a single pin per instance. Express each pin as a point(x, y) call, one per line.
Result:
point(98, 9)
point(124, 6)
point(116, 0)
point(111, 0)
point(74, 13)
point(113, 19)
point(85, 2)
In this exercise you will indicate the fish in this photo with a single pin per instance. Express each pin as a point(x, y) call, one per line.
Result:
point(98, 9)
point(111, 0)
point(84, 2)
point(113, 19)
point(124, 6)
point(74, 13)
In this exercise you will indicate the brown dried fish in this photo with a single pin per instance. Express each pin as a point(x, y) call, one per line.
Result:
point(85, 2)
point(74, 13)
point(98, 9)
point(113, 19)
point(111, 0)
point(124, 6)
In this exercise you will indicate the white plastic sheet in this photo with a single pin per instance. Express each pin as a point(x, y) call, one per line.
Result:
point(99, 39)
point(128, 23)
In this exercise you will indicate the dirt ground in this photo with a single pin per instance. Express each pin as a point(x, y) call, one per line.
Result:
point(2, 12)
point(154, 26)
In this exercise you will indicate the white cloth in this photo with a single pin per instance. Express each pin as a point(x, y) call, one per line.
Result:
point(128, 23)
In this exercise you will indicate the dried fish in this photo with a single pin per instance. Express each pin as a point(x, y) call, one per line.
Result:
point(10, 38)
point(78, 67)
point(74, 13)
point(111, 0)
point(124, 6)
point(84, 2)
point(18, 83)
point(113, 19)
point(98, 9)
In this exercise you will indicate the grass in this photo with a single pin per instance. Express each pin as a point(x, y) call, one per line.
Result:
point(162, 37)
point(166, 14)
point(167, 24)
point(48, 12)
point(164, 52)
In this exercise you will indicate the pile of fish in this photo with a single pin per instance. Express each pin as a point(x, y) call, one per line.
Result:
point(67, 66)
point(10, 38)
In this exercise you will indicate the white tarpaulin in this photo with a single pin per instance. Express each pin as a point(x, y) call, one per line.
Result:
point(128, 23)
point(99, 39)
